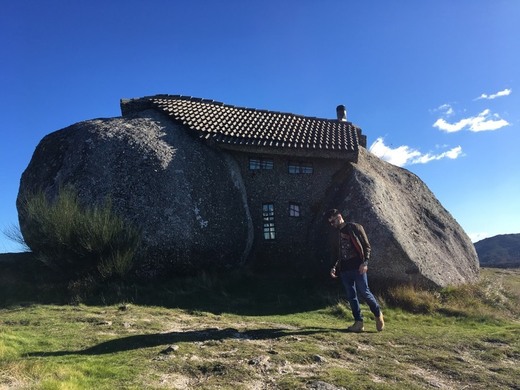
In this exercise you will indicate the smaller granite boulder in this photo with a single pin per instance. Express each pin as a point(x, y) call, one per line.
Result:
point(413, 237)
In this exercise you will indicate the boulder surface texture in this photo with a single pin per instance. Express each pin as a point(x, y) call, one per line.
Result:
point(190, 203)
point(413, 237)
point(159, 179)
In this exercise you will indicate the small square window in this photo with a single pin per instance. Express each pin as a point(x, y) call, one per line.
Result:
point(266, 163)
point(254, 163)
point(307, 168)
point(300, 167)
point(294, 210)
point(293, 168)
point(260, 163)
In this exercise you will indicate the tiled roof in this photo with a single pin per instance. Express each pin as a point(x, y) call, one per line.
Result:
point(226, 124)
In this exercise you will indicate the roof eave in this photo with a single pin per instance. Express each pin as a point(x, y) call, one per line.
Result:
point(351, 156)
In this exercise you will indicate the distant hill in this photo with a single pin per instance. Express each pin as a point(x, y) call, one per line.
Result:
point(502, 251)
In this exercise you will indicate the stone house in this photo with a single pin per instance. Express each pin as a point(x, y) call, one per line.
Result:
point(289, 164)
point(211, 185)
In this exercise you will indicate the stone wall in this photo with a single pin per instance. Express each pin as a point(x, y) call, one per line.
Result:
point(279, 187)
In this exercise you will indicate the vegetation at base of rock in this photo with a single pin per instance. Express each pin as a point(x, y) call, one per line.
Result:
point(480, 299)
point(244, 331)
point(77, 241)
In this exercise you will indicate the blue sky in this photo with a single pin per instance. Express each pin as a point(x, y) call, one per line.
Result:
point(435, 85)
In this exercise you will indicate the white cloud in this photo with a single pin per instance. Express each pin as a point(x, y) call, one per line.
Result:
point(447, 109)
point(399, 156)
point(481, 122)
point(404, 155)
point(504, 92)
point(452, 154)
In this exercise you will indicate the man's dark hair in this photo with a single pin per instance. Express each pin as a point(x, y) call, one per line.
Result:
point(332, 213)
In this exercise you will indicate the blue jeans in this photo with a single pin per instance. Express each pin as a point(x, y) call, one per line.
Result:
point(355, 281)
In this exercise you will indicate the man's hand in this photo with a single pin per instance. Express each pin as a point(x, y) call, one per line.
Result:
point(333, 273)
point(363, 268)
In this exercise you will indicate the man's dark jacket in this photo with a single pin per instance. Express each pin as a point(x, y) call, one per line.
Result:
point(359, 240)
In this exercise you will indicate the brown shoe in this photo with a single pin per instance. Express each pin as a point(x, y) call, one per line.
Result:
point(357, 327)
point(380, 322)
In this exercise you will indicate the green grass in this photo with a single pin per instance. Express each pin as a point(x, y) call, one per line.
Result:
point(245, 332)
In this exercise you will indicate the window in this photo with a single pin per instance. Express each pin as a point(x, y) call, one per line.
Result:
point(268, 218)
point(294, 210)
point(300, 167)
point(306, 168)
point(260, 163)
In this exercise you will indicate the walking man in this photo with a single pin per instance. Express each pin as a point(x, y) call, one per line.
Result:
point(351, 266)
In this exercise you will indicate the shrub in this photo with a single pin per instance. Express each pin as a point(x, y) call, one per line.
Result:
point(77, 240)
point(485, 298)
point(412, 299)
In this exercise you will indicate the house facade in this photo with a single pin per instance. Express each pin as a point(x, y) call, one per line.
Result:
point(291, 166)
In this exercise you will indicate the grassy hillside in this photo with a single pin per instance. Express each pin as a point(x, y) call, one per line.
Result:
point(261, 332)
point(499, 251)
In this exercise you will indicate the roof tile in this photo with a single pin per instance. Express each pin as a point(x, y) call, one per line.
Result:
point(228, 124)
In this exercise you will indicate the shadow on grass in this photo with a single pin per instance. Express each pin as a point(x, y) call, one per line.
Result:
point(24, 281)
point(240, 293)
point(157, 339)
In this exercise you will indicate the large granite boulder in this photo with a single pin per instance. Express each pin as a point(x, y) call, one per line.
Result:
point(413, 237)
point(158, 178)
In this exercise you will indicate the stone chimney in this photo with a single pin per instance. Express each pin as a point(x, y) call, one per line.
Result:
point(341, 112)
